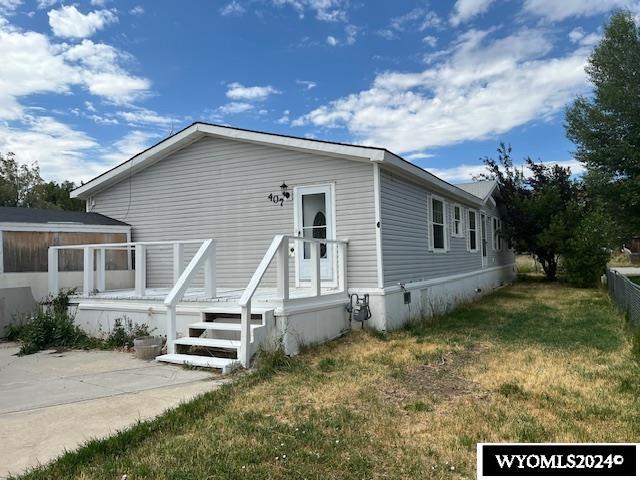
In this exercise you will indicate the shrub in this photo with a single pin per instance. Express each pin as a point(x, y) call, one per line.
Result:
point(124, 332)
point(587, 253)
point(13, 331)
point(51, 326)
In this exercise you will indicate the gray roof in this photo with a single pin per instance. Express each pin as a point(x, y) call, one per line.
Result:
point(480, 189)
point(40, 215)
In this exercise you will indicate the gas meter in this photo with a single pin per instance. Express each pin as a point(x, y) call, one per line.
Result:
point(359, 308)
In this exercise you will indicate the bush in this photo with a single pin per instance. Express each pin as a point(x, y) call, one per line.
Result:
point(587, 253)
point(124, 332)
point(51, 327)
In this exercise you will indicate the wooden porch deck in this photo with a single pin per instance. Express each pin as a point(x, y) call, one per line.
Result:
point(263, 295)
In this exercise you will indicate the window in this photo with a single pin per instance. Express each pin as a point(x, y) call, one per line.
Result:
point(457, 221)
point(499, 234)
point(473, 231)
point(438, 225)
point(494, 237)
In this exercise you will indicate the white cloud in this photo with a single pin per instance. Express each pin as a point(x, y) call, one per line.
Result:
point(554, 10)
point(237, 91)
point(480, 88)
point(30, 64)
point(132, 143)
point(578, 35)
point(430, 40)
point(98, 66)
point(331, 40)
point(232, 108)
point(69, 22)
point(325, 10)
point(308, 84)
point(417, 156)
point(8, 7)
point(143, 116)
point(284, 119)
point(102, 120)
point(467, 172)
point(419, 19)
point(351, 31)
point(57, 148)
point(465, 10)
point(43, 4)
point(233, 8)
point(137, 10)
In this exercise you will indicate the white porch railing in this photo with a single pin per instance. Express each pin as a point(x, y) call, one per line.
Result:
point(280, 247)
point(95, 259)
point(182, 276)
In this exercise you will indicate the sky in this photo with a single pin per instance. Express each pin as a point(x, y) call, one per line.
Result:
point(86, 85)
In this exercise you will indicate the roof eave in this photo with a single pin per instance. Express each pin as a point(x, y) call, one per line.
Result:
point(437, 183)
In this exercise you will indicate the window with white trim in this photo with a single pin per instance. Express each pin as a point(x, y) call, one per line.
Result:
point(500, 245)
point(438, 225)
point(457, 221)
point(473, 230)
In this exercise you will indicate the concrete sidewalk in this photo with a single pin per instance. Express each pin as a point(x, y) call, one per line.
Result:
point(51, 402)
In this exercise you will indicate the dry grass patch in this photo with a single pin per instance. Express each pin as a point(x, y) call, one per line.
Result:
point(534, 362)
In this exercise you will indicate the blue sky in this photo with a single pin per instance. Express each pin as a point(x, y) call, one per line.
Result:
point(86, 85)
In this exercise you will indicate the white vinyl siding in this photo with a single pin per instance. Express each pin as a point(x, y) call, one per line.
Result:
point(406, 255)
point(219, 188)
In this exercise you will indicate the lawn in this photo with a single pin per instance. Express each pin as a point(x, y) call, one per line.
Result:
point(535, 362)
point(635, 280)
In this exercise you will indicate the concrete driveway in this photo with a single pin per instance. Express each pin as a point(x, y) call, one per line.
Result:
point(51, 402)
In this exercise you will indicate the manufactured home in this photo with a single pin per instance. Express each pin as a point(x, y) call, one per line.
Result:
point(242, 238)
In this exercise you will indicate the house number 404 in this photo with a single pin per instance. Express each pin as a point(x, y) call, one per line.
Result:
point(276, 199)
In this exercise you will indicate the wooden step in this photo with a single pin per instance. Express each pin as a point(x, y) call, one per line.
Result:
point(224, 364)
point(208, 342)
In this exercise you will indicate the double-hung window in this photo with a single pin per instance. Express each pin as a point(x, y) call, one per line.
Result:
point(473, 231)
point(495, 234)
point(438, 225)
point(457, 221)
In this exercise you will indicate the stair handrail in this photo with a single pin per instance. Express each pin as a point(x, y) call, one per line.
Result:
point(205, 256)
point(257, 276)
point(277, 246)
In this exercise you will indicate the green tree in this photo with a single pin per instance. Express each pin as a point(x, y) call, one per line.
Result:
point(17, 181)
point(606, 126)
point(539, 210)
point(22, 186)
point(56, 195)
point(587, 251)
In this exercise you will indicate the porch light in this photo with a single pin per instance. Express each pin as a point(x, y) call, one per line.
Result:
point(285, 190)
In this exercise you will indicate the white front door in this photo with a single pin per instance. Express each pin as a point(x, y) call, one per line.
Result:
point(314, 212)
